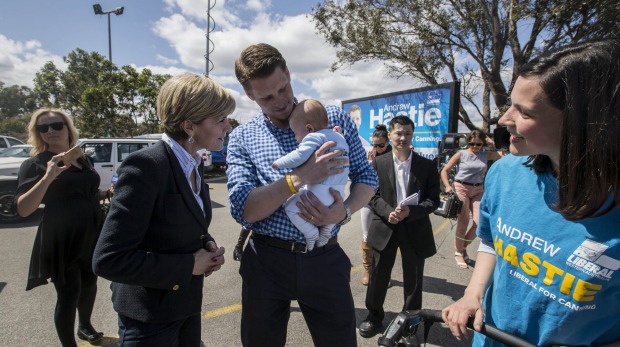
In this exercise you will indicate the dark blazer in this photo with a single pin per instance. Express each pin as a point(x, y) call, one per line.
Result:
point(148, 239)
point(424, 177)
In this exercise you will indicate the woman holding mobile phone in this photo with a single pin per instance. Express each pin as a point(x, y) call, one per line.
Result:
point(69, 227)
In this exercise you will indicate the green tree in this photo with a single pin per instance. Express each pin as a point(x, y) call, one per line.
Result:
point(103, 99)
point(16, 105)
point(15, 126)
point(233, 122)
point(137, 98)
point(16, 101)
point(481, 43)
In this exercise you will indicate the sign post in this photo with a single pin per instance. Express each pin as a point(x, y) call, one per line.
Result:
point(434, 111)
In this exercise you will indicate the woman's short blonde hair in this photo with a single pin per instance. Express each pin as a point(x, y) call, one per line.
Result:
point(35, 139)
point(191, 97)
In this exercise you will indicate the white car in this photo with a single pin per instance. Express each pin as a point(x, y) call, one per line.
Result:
point(8, 185)
point(108, 154)
point(12, 158)
point(8, 141)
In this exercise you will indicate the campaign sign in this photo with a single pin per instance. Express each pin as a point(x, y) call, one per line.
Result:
point(433, 110)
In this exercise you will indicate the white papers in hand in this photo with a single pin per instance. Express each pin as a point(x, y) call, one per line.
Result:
point(411, 200)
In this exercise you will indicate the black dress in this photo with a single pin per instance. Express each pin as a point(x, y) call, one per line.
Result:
point(71, 219)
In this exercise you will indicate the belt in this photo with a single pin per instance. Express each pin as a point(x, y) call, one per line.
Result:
point(293, 246)
point(469, 184)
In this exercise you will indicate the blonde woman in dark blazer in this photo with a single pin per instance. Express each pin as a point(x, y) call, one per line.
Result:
point(155, 245)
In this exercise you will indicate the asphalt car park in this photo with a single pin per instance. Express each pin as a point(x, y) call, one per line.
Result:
point(27, 317)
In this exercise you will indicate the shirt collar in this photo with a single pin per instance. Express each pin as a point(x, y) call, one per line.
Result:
point(188, 162)
point(268, 123)
point(398, 162)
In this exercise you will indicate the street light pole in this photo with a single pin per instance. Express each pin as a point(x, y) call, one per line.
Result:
point(109, 38)
point(118, 11)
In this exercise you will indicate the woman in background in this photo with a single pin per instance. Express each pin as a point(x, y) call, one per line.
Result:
point(69, 227)
point(380, 146)
point(468, 185)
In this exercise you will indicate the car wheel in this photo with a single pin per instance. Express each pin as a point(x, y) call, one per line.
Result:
point(6, 201)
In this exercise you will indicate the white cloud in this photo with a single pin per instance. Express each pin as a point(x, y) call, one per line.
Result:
point(166, 60)
point(184, 36)
point(308, 56)
point(20, 61)
point(246, 109)
point(258, 5)
point(196, 10)
point(159, 70)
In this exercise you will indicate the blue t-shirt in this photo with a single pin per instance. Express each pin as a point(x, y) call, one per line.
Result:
point(555, 281)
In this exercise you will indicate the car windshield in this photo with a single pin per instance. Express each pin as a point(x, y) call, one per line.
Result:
point(19, 152)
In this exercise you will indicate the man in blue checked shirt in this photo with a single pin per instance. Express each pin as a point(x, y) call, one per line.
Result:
point(276, 267)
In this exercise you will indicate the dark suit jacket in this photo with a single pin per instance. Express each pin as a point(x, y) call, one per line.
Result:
point(148, 239)
point(424, 177)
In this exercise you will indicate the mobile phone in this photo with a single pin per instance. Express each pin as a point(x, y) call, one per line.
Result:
point(72, 155)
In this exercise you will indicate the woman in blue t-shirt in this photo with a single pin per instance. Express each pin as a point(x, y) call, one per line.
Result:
point(547, 267)
point(472, 164)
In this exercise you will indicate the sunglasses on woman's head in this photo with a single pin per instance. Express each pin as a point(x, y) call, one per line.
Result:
point(43, 128)
point(380, 145)
point(473, 144)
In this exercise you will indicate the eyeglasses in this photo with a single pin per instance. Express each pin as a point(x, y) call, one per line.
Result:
point(473, 144)
point(43, 128)
point(380, 145)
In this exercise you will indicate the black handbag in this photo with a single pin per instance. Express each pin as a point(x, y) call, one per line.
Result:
point(449, 205)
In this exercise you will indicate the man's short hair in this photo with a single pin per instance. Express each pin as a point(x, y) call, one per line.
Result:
point(257, 61)
point(402, 120)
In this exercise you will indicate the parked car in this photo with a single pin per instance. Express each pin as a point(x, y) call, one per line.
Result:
point(108, 154)
point(219, 157)
point(8, 186)
point(207, 159)
point(8, 141)
point(10, 161)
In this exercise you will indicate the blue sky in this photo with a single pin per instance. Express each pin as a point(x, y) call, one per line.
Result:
point(168, 36)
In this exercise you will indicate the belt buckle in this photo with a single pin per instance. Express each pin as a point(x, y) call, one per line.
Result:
point(295, 251)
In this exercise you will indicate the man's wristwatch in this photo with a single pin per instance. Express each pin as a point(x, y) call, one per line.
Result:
point(347, 218)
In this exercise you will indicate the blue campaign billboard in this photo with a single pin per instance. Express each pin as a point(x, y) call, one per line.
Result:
point(434, 111)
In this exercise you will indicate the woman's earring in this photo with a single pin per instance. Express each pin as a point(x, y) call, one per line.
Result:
point(190, 140)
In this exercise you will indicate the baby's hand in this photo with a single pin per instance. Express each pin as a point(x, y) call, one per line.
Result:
point(338, 129)
point(274, 166)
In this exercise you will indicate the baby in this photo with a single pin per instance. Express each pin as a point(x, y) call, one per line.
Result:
point(309, 123)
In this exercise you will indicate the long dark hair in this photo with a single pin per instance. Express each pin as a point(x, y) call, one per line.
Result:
point(583, 81)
